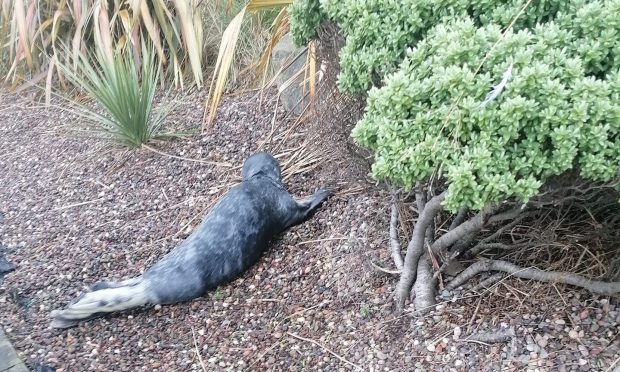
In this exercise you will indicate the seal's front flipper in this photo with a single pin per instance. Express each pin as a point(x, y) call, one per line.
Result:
point(306, 207)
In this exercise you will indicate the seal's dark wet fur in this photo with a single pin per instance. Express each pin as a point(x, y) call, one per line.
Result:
point(231, 238)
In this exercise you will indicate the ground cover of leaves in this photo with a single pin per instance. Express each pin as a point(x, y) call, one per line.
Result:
point(74, 211)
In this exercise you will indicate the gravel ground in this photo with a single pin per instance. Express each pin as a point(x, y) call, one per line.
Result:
point(73, 212)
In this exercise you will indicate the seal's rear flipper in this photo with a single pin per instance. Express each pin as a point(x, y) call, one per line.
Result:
point(106, 300)
point(62, 323)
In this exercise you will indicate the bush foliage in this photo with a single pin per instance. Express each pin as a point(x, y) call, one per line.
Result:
point(432, 63)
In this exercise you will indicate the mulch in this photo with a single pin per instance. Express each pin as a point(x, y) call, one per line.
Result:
point(75, 210)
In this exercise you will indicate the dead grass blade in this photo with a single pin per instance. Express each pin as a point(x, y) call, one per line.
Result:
point(222, 65)
point(227, 51)
point(191, 37)
point(20, 19)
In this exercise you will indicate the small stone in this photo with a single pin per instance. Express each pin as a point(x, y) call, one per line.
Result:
point(560, 321)
point(542, 342)
point(457, 333)
point(431, 347)
point(573, 334)
point(582, 362)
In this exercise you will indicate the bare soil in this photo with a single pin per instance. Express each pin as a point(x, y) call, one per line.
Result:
point(74, 211)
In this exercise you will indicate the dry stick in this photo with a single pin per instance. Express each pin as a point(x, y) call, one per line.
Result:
point(325, 348)
point(215, 163)
point(202, 364)
point(415, 249)
point(76, 205)
point(321, 240)
point(394, 243)
point(384, 270)
point(594, 286)
point(263, 355)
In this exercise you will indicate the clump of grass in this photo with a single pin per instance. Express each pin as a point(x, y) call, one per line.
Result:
point(124, 91)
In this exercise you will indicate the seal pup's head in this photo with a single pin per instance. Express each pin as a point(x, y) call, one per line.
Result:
point(263, 164)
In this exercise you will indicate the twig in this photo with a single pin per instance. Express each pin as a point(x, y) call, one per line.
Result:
point(202, 364)
point(384, 270)
point(215, 163)
point(304, 310)
point(76, 205)
point(326, 349)
point(263, 355)
point(321, 240)
point(594, 286)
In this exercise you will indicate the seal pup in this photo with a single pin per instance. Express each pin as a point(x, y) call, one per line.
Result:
point(231, 238)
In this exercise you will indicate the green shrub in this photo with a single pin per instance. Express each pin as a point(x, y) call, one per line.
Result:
point(378, 32)
point(427, 121)
point(306, 16)
point(550, 116)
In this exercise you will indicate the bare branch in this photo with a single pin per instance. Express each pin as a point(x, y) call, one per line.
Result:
point(470, 226)
point(488, 282)
point(502, 229)
point(483, 246)
point(594, 286)
point(415, 248)
point(394, 243)
point(510, 214)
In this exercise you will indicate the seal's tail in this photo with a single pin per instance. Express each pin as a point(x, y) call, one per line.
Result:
point(105, 298)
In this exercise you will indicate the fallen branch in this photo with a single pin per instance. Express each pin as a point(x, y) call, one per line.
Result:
point(594, 286)
point(394, 243)
point(215, 163)
point(326, 349)
point(202, 364)
point(415, 248)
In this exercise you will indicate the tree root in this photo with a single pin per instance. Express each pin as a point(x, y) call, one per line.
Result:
point(394, 243)
point(594, 286)
point(415, 248)
point(425, 286)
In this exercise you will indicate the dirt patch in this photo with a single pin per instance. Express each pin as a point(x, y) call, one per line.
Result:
point(75, 211)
